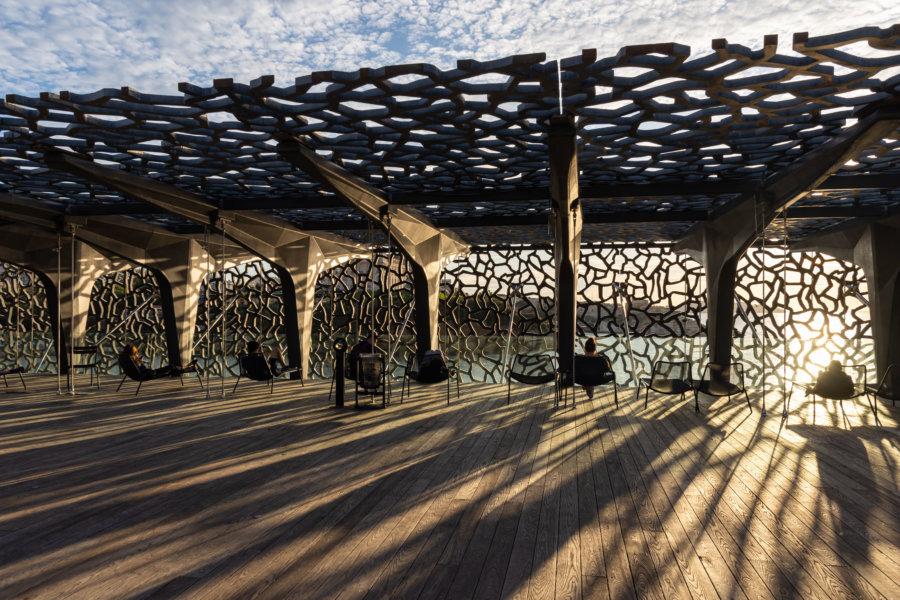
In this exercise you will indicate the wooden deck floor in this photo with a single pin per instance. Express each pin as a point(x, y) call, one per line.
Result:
point(105, 495)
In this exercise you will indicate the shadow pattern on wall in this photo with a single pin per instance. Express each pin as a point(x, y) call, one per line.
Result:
point(658, 294)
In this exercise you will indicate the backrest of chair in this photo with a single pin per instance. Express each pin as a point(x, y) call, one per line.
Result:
point(412, 365)
point(85, 352)
point(889, 386)
point(129, 367)
point(858, 374)
point(728, 373)
point(256, 367)
point(591, 370)
point(671, 370)
point(533, 365)
point(369, 371)
point(432, 367)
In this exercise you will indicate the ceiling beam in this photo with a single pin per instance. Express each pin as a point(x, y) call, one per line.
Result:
point(589, 194)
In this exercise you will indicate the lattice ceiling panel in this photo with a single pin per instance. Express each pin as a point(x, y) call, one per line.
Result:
point(649, 115)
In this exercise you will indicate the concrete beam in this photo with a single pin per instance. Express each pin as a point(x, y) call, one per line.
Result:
point(427, 248)
point(178, 263)
point(874, 245)
point(720, 242)
point(52, 256)
point(297, 257)
point(567, 221)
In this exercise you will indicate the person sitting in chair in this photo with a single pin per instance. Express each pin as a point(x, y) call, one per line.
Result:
point(272, 357)
point(365, 346)
point(433, 367)
point(130, 352)
point(833, 382)
point(590, 349)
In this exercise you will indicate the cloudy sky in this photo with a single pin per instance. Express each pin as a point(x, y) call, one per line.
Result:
point(151, 45)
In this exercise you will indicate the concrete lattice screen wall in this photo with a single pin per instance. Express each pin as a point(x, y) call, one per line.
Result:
point(663, 292)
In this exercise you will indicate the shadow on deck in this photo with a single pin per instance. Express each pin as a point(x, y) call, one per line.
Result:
point(171, 494)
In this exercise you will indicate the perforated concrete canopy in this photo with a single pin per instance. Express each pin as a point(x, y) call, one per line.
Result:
point(665, 139)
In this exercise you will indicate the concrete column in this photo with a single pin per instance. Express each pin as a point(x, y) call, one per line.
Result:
point(425, 246)
point(567, 224)
point(69, 294)
point(878, 253)
point(179, 269)
point(875, 247)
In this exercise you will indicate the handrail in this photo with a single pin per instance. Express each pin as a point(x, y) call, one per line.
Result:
point(44, 357)
point(214, 323)
point(512, 321)
point(621, 295)
point(125, 320)
point(854, 289)
point(744, 316)
point(399, 335)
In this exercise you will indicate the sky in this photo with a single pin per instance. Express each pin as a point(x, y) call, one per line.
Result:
point(152, 45)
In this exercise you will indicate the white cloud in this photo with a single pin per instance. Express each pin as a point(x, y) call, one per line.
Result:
point(48, 45)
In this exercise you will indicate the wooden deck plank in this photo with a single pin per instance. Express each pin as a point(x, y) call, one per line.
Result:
point(594, 584)
point(316, 526)
point(427, 565)
point(687, 468)
point(476, 567)
point(171, 494)
point(667, 571)
point(699, 527)
point(542, 582)
point(460, 563)
point(568, 555)
point(619, 577)
point(786, 510)
point(645, 578)
point(497, 562)
point(664, 500)
point(785, 571)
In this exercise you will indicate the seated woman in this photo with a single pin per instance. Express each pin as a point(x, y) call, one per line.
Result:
point(273, 357)
point(130, 353)
point(433, 368)
point(365, 346)
point(833, 382)
point(590, 349)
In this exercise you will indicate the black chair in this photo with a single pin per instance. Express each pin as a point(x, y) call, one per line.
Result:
point(255, 367)
point(593, 371)
point(887, 387)
point(13, 371)
point(672, 378)
point(370, 378)
point(531, 369)
point(412, 372)
point(132, 370)
point(88, 361)
point(721, 381)
point(856, 372)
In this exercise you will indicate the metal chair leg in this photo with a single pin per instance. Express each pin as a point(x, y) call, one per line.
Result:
point(787, 404)
point(121, 382)
point(873, 402)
